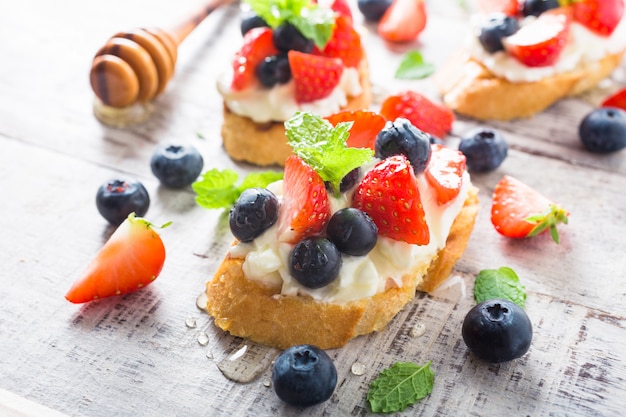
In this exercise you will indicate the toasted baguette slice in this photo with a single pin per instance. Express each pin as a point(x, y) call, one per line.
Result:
point(470, 89)
point(265, 143)
point(248, 309)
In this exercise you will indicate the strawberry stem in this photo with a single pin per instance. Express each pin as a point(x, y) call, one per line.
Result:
point(548, 220)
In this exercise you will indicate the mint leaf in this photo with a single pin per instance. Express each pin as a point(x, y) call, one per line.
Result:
point(413, 67)
point(399, 386)
point(499, 283)
point(323, 147)
point(218, 189)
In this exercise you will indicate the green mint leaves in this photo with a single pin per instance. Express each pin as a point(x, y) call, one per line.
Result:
point(323, 147)
point(314, 22)
point(218, 188)
point(499, 283)
point(413, 67)
point(399, 386)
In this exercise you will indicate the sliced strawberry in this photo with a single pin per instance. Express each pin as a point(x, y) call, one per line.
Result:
point(403, 21)
point(599, 16)
point(366, 125)
point(342, 8)
point(131, 259)
point(315, 77)
point(305, 208)
point(617, 99)
point(423, 113)
point(345, 43)
point(541, 42)
point(508, 7)
point(519, 211)
point(257, 45)
point(445, 172)
point(389, 195)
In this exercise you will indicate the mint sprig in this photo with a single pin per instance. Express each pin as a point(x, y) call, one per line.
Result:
point(413, 67)
point(499, 283)
point(323, 147)
point(314, 22)
point(399, 386)
point(219, 189)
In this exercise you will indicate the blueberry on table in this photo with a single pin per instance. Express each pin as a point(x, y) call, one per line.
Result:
point(315, 262)
point(352, 231)
point(536, 7)
point(497, 331)
point(603, 130)
point(176, 166)
point(485, 149)
point(496, 27)
point(304, 375)
point(117, 198)
point(401, 137)
point(255, 211)
point(373, 10)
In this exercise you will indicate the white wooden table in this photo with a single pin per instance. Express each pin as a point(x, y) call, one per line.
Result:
point(141, 354)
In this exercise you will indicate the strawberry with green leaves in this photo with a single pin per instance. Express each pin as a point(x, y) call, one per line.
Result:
point(315, 77)
point(257, 45)
point(365, 126)
point(445, 172)
point(403, 21)
point(130, 260)
point(519, 211)
point(344, 44)
point(389, 195)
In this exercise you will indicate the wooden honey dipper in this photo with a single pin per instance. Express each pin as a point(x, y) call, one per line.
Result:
point(134, 67)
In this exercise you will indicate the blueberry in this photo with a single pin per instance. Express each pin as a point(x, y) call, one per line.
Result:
point(352, 231)
point(255, 211)
point(401, 137)
point(484, 149)
point(604, 130)
point(373, 10)
point(536, 7)
point(347, 182)
point(117, 198)
point(315, 262)
point(176, 166)
point(251, 20)
point(304, 375)
point(287, 38)
point(497, 331)
point(274, 70)
point(496, 27)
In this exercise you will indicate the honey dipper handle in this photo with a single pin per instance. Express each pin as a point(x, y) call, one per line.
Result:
point(180, 32)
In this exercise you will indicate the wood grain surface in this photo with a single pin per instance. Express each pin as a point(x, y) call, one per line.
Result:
point(155, 353)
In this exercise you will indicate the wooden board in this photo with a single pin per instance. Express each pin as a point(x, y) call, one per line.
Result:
point(155, 353)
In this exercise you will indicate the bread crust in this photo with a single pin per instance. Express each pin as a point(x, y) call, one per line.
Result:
point(249, 309)
point(265, 144)
point(470, 89)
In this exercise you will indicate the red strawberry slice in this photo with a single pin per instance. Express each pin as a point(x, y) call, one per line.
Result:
point(344, 44)
point(616, 100)
point(445, 172)
point(599, 16)
point(519, 211)
point(540, 43)
point(403, 21)
point(257, 45)
point(315, 77)
point(342, 8)
point(305, 208)
point(508, 7)
point(423, 113)
point(366, 124)
point(389, 195)
point(131, 259)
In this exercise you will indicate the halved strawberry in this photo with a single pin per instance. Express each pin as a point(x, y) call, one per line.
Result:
point(314, 77)
point(131, 259)
point(599, 16)
point(403, 21)
point(342, 8)
point(519, 211)
point(305, 208)
point(345, 43)
point(541, 42)
point(257, 45)
point(366, 125)
point(423, 113)
point(508, 7)
point(389, 195)
point(617, 99)
point(445, 172)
